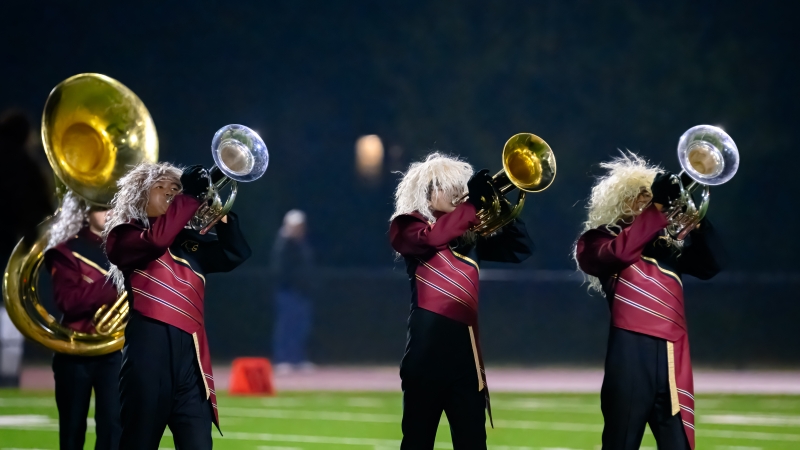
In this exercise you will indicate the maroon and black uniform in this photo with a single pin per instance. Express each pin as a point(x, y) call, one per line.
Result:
point(78, 267)
point(648, 372)
point(166, 377)
point(442, 369)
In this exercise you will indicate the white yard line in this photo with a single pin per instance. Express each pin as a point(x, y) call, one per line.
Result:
point(269, 437)
point(285, 402)
point(552, 426)
point(735, 447)
point(365, 402)
point(49, 427)
point(20, 448)
point(272, 447)
point(751, 435)
point(545, 405)
point(515, 424)
point(26, 402)
point(758, 420)
point(376, 444)
point(391, 418)
point(311, 415)
point(24, 420)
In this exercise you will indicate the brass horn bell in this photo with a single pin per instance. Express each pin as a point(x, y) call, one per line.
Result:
point(528, 165)
point(709, 157)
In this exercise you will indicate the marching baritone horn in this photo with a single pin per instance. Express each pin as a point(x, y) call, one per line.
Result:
point(528, 165)
point(93, 130)
point(240, 155)
point(709, 157)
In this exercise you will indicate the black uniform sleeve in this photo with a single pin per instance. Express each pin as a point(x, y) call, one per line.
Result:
point(510, 244)
point(229, 251)
point(703, 254)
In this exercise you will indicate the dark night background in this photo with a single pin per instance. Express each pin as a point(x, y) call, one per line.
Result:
point(461, 77)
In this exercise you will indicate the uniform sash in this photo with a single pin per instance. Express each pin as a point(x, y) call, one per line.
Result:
point(649, 300)
point(170, 291)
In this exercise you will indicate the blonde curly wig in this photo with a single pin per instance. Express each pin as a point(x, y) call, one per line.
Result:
point(612, 196)
point(130, 201)
point(438, 172)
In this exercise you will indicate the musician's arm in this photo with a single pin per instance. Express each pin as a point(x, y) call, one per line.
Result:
point(75, 296)
point(230, 250)
point(129, 245)
point(511, 244)
point(703, 254)
point(411, 236)
point(601, 253)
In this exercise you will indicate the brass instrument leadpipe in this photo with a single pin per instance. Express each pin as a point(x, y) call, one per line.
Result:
point(110, 319)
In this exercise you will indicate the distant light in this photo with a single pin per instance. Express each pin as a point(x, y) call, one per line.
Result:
point(369, 156)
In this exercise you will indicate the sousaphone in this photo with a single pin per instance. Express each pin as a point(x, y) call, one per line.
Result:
point(94, 129)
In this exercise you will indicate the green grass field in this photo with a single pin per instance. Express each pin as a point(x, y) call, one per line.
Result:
point(324, 420)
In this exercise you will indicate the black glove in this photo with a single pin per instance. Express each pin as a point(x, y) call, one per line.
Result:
point(665, 188)
point(480, 188)
point(195, 181)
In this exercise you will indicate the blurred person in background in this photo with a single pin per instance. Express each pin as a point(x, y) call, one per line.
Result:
point(442, 368)
point(30, 205)
point(293, 268)
point(166, 378)
point(78, 264)
point(627, 254)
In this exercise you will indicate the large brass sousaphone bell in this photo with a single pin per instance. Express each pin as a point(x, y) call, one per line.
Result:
point(709, 157)
point(528, 165)
point(93, 129)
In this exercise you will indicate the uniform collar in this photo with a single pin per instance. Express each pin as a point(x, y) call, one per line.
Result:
point(86, 233)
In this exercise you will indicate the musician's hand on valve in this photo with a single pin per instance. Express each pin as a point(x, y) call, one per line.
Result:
point(195, 181)
point(480, 188)
point(665, 189)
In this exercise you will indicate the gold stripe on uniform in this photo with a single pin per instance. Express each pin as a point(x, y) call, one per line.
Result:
point(188, 264)
point(89, 262)
point(200, 363)
point(673, 386)
point(477, 359)
point(471, 262)
point(668, 272)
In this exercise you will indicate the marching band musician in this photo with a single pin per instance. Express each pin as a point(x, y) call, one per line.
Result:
point(166, 377)
point(627, 254)
point(442, 369)
point(78, 265)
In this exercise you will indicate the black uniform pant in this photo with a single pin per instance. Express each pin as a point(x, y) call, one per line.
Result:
point(161, 385)
point(423, 404)
point(636, 392)
point(75, 378)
